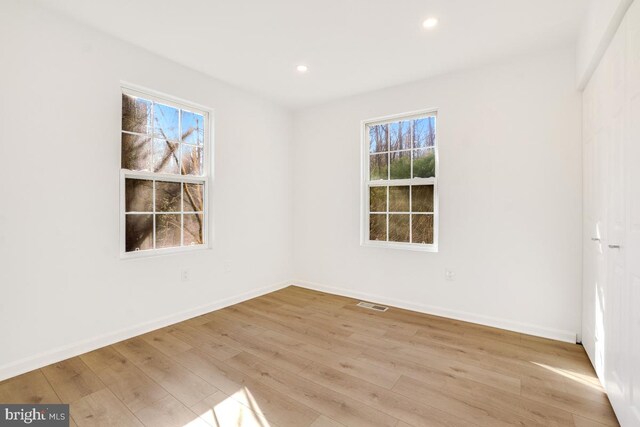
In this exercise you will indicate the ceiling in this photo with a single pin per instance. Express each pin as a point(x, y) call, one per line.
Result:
point(350, 46)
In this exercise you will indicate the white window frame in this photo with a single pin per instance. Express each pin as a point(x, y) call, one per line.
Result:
point(366, 183)
point(206, 179)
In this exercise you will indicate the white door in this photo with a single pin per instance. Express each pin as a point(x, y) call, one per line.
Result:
point(597, 243)
point(614, 246)
point(597, 135)
point(632, 196)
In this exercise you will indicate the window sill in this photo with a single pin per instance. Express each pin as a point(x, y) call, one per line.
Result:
point(154, 253)
point(399, 245)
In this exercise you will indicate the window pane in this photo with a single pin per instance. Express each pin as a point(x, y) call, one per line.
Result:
point(166, 122)
point(422, 228)
point(192, 128)
point(377, 199)
point(424, 132)
point(422, 198)
point(424, 163)
point(138, 232)
point(398, 228)
point(193, 229)
point(136, 114)
point(400, 135)
point(165, 156)
point(168, 196)
point(136, 152)
point(138, 195)
point(192, 160)
point(378, 227)
point(400, 165)
point(168, 230)
point(193, 198)
point(399, 199)
point(378, 166)
point(378, 138)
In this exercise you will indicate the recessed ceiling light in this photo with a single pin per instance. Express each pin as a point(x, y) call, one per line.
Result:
point(302, 68)
point(430, 22)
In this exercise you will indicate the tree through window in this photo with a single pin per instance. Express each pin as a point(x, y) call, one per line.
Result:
point(164, 179)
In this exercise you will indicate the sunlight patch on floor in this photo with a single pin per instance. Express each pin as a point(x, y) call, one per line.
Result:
point(586, 380)
point(237, 410)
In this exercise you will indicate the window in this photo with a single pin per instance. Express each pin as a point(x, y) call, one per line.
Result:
point(164, 175)
point(400, 188)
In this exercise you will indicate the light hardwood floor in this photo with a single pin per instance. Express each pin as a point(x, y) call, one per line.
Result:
point(299, 358)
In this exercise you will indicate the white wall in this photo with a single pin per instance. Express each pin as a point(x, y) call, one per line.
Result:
point(598, 27)
point(63, 287)
point(510, 198)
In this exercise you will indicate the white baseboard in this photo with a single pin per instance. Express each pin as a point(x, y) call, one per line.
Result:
point(529, 329)
point(74, 349)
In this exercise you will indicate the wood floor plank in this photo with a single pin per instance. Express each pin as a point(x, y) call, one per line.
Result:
point(572, 361)
point(206, 342)
point(132, 386)
point(101, 409)
point(311, 335)
point(177, 380)
point(225, 411)
point(72, 379)
point(311, 297)
point(185, 386)
point(31, 387)
point(394, 404)
point(586, 408)
point(265, 303)
point(220, 323)
point(349, 326)
point(378, 325)
point(102, 358)
point(137, 350)
point(324, 421)
point(358, 368)
point(277, 407)
point(471, 391)
point(337, 406)
point(558, 348)
point(165, 342)
point(472, 412)
point(585, 422)
point(578, 387)
point(301, 322)
point(416, 347)
point(433, 369)
point(259, 347)
point(169, 412)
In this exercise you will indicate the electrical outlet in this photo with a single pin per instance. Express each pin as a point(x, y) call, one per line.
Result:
point(184, 275)
point(227, 266)
point(449, 275)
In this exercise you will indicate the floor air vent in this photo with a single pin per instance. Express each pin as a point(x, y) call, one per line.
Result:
point(370, 306)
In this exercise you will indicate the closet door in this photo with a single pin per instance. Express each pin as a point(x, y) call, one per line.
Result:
point(616, 326)
point(632, 243)
point(611, 319)
point(596, 134)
